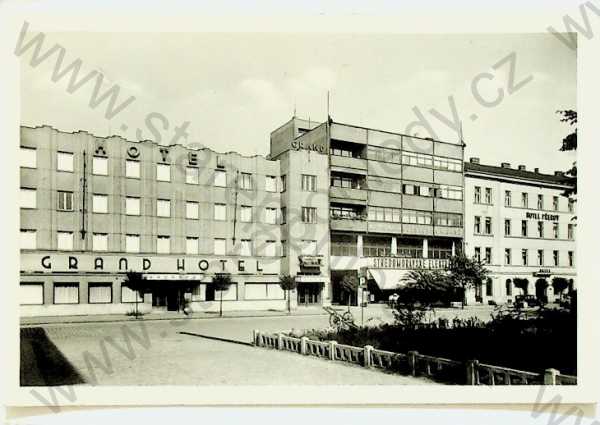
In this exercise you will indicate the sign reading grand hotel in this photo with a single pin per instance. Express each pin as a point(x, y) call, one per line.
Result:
point(408, 263)
point(114, 263)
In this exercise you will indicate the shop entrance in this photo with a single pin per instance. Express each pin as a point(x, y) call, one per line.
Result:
point(309, 293)
point(168, 297)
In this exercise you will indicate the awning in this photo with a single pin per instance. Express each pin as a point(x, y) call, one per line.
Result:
point(389, 279)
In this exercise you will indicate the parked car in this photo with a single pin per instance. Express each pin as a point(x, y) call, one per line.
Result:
point(523, 301)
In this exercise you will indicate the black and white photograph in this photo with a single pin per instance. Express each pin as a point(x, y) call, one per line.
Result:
point(224, 209)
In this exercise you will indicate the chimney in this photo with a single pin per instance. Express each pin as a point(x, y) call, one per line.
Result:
point(505, 165)
point(522, 168)
point(536, 170)
point(474, 160)
point(559, 173)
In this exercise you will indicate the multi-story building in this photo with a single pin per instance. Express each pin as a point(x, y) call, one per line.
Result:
point(330, 199)
point(522, 226)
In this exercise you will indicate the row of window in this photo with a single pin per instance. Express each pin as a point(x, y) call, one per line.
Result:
point(487, 228)
point(488, 199)
point(525, 257)
point(409, 158)
point(397, 215)
point(32, 293)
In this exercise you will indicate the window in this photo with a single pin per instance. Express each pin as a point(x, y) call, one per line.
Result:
point(309, 215)
point(571, 255)
point(246, 181)
point(488, 195)
point(477, 197)
point(507, 227)
point(477, 253)
point(191, 245)
point(448, 219)
point(163, 208)
point(192, 210)
point(308, 247)
point(571, 205)
point(270, 184)
point(410, 158)
point(336, 181)
point(271, 215)
point(192, 175)
point(524, 256)
point(309, 183)
point(570, 231)
point(488, 255)
point(524, 228)
point(263, 291)
point(219, 246)
point(524, 200)
point(220, 212)
point(540, 257)
point(270, 249)
point(245, 214)
point(555, 230)
point(100, 166)
point(450, 192)
point(66, 293)
point(220, 178)
point(129, 295)
point(284, 248)
point(555, 258)
point(64, 161)
point(488, 225)
point(31, 293)
point(65, 201)
point(28, 157)
point(540, 202)
point(408, 216)
point(132, 243)
point(489, 288)
point(447, 164)
point(100, 204)
point(28, 198)
point(540, 229)
point(507, 198)
point(100, 242)
point(508, 288)
point(100, 293)
point(132, 206)
point(230, 294)
point(283, 183)
point(132, 169)
point(477, 227)
point(345, 152)
point(555, 203)
point(64, 241)
point(507, 256)
point(283, 215)
point(163, 172)
point(28, 239)
point(246, 247)
point(163, 244)
point(392, 215)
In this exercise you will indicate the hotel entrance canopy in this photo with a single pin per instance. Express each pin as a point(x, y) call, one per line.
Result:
point(389, 279)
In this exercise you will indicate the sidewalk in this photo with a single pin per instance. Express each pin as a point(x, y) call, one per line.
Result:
point(113, 318)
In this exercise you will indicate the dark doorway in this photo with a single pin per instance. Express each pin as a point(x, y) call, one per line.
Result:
point(169, 296)
point(309, 293)
point(540, 290)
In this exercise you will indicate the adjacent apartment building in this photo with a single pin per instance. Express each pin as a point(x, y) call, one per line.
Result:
point(520, 224)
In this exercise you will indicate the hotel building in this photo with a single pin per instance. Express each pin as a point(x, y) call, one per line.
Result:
point(520, 224)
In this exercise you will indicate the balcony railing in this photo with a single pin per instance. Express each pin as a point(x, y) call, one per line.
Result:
point(348, 193)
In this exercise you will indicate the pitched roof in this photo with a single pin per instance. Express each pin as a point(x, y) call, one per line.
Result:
point(472, 168)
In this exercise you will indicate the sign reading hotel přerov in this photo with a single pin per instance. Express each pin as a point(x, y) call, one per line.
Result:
point(115, 263)
point(541, 216)
point(404, 263)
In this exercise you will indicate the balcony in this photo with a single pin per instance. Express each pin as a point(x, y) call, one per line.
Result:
point(348, 164)
point(344, 195)
point(348, 224)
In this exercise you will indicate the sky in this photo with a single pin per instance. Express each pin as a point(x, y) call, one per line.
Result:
point(235, 88)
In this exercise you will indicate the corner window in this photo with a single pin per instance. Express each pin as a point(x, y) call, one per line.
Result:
point(270, 184)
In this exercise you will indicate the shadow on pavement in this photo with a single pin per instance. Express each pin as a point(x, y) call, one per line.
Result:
point(42, 363)
point(215, 338)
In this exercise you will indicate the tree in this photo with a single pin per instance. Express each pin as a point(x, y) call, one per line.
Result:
point(288, 283)
point(349, 284)
point(221, 282)
point(569, 143)
point(134, 281)
point(559, 284)
point(427, 287)
point(522, 284)
point(465, 273)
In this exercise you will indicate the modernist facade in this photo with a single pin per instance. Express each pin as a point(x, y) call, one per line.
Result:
point(521, 225)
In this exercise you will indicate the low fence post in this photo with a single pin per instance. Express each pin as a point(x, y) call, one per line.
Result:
point(280, 341)
point(368, 353)
point(303, 341)
point(256, 337)
point(472, 372)
point(412, 362)
point(332, 345)
point(550, 376)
